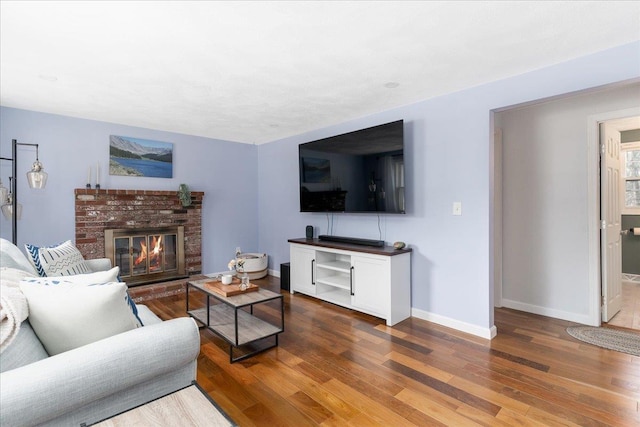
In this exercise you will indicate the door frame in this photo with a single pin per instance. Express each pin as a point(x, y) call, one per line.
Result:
point(593, 203)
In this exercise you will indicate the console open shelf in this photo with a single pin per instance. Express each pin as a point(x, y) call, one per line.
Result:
point(342, 266)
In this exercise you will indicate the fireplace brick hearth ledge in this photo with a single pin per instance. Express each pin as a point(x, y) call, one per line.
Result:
point(143, 293)
point(97, 210)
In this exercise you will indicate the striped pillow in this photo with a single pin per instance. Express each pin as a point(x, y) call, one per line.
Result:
point(59, 260)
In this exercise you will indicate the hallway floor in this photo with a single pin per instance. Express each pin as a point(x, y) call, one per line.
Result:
point(629, 315)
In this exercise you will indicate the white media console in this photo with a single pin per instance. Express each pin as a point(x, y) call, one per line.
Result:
point(372, 280)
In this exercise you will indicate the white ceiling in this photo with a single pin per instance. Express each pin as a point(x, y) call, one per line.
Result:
point(255, 72)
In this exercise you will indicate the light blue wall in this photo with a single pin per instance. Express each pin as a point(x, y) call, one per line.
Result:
point(449, 152)
point(225, 171)
point(251, 193)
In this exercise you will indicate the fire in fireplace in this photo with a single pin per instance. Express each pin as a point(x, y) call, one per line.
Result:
point(154, 256)
point(146, 255)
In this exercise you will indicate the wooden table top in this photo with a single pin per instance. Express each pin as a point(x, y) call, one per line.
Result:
point(186, 407)
point(261, 295)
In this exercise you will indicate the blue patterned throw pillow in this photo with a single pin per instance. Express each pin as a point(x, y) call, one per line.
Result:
point(134, 308)
point(34, 257)
point(59, 260)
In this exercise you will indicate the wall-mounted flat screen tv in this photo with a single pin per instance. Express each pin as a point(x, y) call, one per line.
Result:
point(360, 171)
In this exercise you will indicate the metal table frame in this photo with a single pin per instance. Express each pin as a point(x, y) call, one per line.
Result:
point(241, 318)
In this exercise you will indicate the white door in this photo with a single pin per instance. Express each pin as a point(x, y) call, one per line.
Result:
point(611, 203)
point(611, 217)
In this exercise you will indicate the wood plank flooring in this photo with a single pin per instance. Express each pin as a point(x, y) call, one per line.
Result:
point(629, 314)
point(336, 367)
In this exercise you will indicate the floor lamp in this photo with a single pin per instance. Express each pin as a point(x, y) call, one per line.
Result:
point(36, 177)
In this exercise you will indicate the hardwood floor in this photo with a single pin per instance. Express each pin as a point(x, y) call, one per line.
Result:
point(629, 314)
point(336, 367)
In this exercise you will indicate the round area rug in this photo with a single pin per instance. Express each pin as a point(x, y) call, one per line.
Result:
point(613, 339)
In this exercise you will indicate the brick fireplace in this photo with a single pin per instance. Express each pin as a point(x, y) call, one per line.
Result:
point(124, 210)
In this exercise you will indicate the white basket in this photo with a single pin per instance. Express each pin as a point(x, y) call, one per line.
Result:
point(255, 265)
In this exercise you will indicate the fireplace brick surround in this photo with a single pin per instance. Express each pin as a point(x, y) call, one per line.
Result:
point(97, 210)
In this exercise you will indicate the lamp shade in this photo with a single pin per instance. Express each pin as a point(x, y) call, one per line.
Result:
point(7, 210)
point(4, 192)
point(37, 177)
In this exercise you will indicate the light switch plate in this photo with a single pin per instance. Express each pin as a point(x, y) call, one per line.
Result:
point(457, 208)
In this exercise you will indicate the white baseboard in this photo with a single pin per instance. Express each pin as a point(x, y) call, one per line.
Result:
point(275, 273)
point(549, 312)
point(486, 333)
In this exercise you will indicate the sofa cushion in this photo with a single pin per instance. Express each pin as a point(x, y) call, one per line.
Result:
point(12, 257)
point(58, 260)
point(65, 316)
point(25, 349)
point(98, 264)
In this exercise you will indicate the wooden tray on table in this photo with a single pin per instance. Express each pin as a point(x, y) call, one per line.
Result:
point(231, 289)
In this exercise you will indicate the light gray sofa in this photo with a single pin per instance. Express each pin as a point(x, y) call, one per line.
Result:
point(98, 380)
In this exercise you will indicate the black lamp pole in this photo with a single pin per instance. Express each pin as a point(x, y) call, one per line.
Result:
point(14, 199)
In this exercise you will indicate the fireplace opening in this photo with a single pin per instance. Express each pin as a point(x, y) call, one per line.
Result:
point(146, 255)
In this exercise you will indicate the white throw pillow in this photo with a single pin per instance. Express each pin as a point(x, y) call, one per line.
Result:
point(90, 278)
point(65, 316)
point(59, 260)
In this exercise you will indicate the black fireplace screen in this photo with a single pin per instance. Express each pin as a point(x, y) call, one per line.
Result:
point(146, 255)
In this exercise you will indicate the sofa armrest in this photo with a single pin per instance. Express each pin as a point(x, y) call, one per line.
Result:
point(49, 388)
point(98, 264)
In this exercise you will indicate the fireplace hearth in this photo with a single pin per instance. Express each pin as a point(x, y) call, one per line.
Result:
point(146, 255)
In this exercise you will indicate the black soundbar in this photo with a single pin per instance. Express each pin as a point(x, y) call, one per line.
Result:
point(352, 240)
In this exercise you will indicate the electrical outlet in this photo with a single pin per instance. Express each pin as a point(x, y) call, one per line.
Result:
point(457, 208)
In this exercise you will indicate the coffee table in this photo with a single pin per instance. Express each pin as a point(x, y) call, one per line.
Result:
point(188, 406)
point(232, 318)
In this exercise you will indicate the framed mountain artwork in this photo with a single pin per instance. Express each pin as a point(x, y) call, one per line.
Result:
point(140, 157)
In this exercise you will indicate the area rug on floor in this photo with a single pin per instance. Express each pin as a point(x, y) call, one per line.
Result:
point(613, 339)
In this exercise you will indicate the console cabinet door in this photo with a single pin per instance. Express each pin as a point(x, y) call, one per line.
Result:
point(302, 270)
point(371, 287)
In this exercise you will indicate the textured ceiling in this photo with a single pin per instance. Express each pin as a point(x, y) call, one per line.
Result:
point(255, 72)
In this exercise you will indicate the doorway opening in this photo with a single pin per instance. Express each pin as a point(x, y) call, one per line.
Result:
point(547, 227)
point(620, 212)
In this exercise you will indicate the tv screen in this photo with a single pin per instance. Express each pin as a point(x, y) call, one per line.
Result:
point(360, 171)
